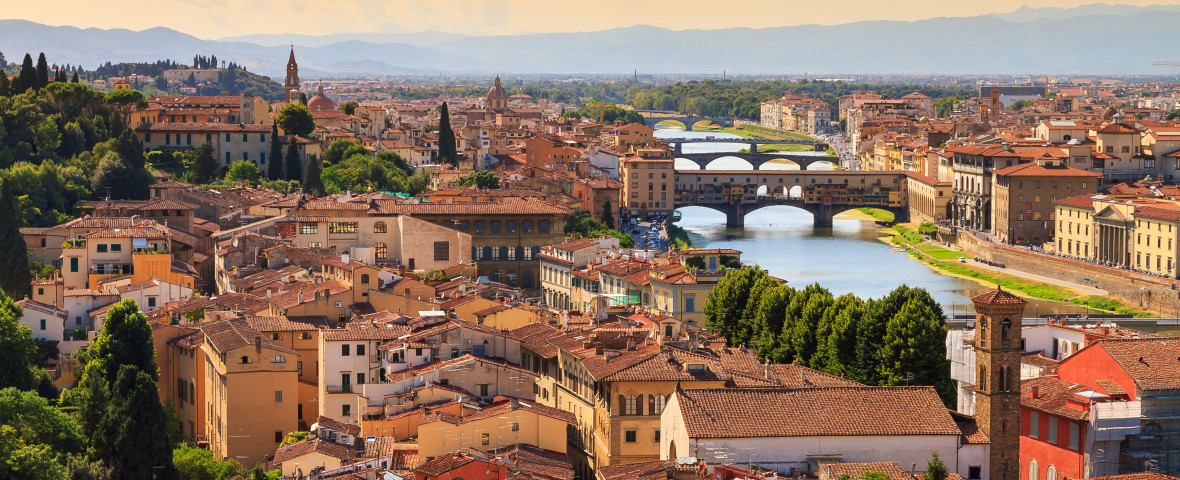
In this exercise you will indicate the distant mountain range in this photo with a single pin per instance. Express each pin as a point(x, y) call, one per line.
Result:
point(1091, 39)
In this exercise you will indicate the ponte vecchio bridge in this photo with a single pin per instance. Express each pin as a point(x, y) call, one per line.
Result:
point(823, 193)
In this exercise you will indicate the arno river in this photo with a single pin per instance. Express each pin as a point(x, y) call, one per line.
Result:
point(847, 258)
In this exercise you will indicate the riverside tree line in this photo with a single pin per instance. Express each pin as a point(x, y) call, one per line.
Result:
point(898, 339)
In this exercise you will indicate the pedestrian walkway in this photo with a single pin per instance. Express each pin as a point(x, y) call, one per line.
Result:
point(1088, 290)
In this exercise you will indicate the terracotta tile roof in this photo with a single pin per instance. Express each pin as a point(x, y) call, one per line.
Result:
point(333, 424)
point(846, 411)
point(292, 292)
point(535, 337)
point(669, 365)
point(532, 462)
point(969, 429)
point(1033, 169)
point(500, 409)
point(227, 335)
point(793, 375)
point(1082, 201)
point(331, 449)
point(43, 308)
point(1118, 128)
point(446, 463)
point(1152, 362)
point(366, 330)
point(267, 277)
point(998, 297)
point(657, 470)
point(892, 470)
point(203, 127)
point(527, 206)
point(1052, 396)
point(1137, 476)
point(285, 324)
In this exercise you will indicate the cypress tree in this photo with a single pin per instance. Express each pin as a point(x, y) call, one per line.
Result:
point(294, 169)
point(313, 183)
point(75, 79)
point(274, 169)
point(608, 215)
point(136, 428)
point(28, 75)
point(204, 164)
point(5, 87)
point(446, 137)
point(303, 98)
point(16, 347)
point(42, 71)
point(14, 257)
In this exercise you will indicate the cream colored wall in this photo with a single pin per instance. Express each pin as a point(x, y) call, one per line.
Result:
point(1156, 243)
point(439, 438)
point(1074, 233)
point(245, 415)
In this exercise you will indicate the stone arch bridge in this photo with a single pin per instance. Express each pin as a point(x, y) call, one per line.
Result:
point(652, 117)
point(757, 160)
point(823, 193)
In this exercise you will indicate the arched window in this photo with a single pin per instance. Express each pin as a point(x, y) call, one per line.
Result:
point(1051, 473)
point(245, 359)
point(659, 405)
point(981, 382)
point(1004, 330)
point(503, 253)
point(1003, 379)
point(631, 405)
point(487, 253)
point(278, 359)
point(382, 250)
point(380, 227)
point(365, 278)
point(1032, 469)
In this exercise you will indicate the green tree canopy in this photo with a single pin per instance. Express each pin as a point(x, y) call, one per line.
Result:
point(446, 137)
point(341, 149)
point(295, 119)
point(482, 179)
point(243, 170)
point(293, 169)
point(14, 257)
point(348, 107)
point(313, 182)
point(274, 165)
point(204, 164)
point(125, 101)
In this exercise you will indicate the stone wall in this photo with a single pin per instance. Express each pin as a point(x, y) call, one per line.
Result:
point(1157, 294)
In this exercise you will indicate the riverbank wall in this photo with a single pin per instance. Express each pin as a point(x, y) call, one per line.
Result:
point(1160, 295)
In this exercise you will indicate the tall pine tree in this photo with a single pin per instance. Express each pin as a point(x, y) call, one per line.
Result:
point(608, 213)
point(314, 184)
point(274, 169)
point(204, 164)
point(294, 168)
point(14, 256)
point(28, 75)
point(42, 71)
point(446, 137)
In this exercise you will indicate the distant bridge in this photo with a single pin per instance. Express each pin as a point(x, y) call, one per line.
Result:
point(819, 145)
point(656, 116)
point(757, 159)
point(823, 193)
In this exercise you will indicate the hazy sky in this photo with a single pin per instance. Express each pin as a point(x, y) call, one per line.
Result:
point(222, 18)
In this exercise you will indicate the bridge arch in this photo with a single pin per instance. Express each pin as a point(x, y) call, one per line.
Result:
point(685, 124)
point(823, 163)
point(781, 163)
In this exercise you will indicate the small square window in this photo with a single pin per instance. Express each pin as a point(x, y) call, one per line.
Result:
point(630, 436)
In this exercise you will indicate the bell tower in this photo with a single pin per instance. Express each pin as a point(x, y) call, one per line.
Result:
point(998, 317)
point(291, 84)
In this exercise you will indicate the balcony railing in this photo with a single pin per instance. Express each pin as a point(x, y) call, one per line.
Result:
point(340, 388)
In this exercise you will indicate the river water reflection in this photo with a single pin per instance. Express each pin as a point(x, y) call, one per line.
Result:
point(847, 258)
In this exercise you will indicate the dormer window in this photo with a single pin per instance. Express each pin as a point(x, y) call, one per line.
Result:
point(694, 367)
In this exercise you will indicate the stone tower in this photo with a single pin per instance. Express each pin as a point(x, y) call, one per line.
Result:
point(291, 85)
point(997, 378)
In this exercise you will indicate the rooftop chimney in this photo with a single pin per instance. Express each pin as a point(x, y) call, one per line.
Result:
point(1034, 392)
point(258, 343)
point(344, 257)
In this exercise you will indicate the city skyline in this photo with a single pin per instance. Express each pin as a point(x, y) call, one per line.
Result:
point(205, 18)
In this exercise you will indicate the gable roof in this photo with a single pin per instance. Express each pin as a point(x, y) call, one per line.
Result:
point(1152, 362)
point(843, 411)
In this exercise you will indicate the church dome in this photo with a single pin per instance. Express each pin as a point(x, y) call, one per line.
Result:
point(320, 101)
point(497, 91)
